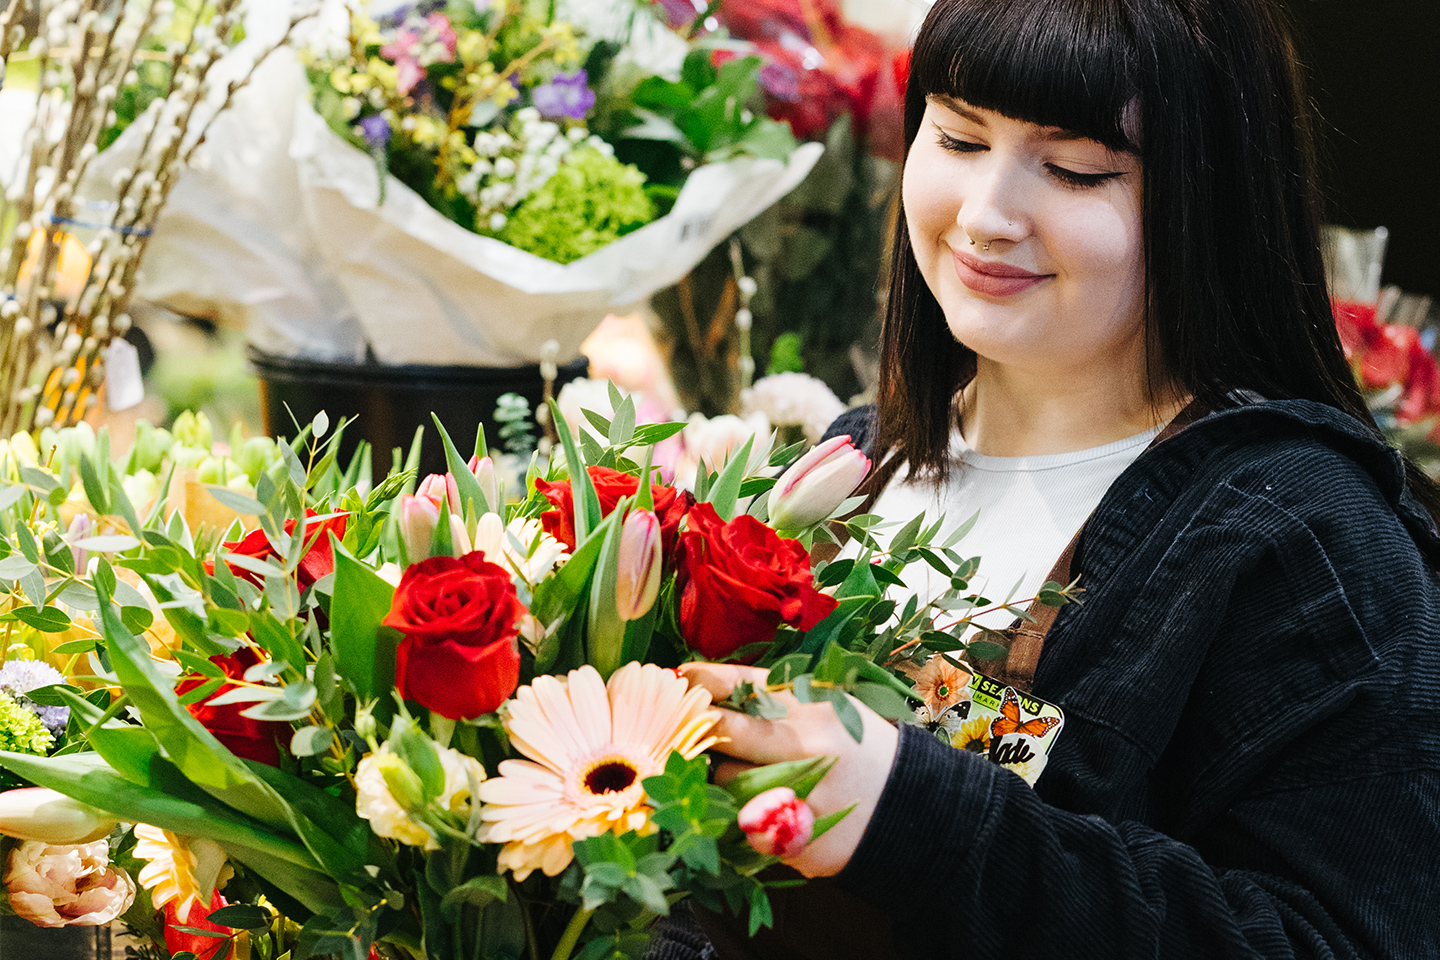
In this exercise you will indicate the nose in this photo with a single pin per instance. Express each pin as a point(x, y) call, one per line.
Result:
point(992, 208)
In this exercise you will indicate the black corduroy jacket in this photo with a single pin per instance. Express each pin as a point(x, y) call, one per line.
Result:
point(1250, 762)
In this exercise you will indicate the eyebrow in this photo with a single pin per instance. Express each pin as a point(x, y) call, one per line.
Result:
point(960, 108)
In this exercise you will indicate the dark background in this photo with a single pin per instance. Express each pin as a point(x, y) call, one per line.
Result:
point(1374, 69)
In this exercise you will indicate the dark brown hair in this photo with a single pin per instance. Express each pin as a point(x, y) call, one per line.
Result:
point(1235, 284)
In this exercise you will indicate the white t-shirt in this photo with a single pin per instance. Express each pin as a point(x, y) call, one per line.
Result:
point(1028, 509)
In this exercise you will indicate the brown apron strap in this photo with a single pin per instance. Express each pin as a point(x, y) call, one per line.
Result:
point(1027, 640)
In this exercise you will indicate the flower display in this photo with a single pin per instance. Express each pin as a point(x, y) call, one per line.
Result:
point(405, 736)
point(739, 581)
point(777, 822)
point(460, 618)
point(590, 747)
point(66, 885)
point(243, 736)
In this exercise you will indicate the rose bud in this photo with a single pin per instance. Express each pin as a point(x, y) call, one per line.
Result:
point(777, 822)
point(639, 562)
point(37, 813)
point(816, 484)
point(67, 885)
point(484, 470)
point(418, 518)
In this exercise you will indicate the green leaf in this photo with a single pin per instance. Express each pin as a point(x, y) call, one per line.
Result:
point(849, 716)
point(726, 489)
point(985, 650)
point(652, 433)
point(802, 776)
point(239, 502)
point(560, 594)
point(240, 916)
point(44, 619)
point(15, 566)
point(311, 741)
point(605, 633)
point(582, 488)
point(883, 701)
point(465, 482)
point(364, 649)
point(202, 758)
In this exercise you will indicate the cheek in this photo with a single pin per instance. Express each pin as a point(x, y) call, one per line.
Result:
point(1104, 247)
point(929, 210)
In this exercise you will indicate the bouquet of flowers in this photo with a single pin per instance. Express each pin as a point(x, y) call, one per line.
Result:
point(444, 723)
point(484, 174)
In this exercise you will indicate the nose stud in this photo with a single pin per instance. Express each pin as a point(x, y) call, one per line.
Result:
point(986, 247)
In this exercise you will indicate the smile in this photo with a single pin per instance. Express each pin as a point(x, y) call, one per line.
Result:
point(994, 279)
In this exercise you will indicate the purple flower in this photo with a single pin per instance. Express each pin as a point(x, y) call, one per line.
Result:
point(680, 12)
point(376, 130)
point(780, 81)
point(565, 96)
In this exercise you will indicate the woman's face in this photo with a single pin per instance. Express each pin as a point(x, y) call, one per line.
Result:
point(1030, 238)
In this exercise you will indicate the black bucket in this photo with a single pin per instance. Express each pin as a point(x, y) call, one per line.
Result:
point(389, 402)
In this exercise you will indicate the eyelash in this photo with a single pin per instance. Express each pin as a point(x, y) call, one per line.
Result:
point(1069, 178)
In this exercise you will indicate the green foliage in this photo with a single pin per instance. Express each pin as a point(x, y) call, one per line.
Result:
point(588, 203)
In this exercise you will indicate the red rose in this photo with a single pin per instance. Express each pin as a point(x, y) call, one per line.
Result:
point(739, 581)
point(460, 618)
point(317, 561)
point(256, 740)
point(671, 505)
point(199, 917)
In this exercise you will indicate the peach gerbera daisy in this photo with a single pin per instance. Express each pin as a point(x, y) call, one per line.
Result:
point(590, 745)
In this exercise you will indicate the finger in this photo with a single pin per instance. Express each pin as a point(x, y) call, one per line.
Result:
point(727, 770)
point(758, 741)
point(720, 678)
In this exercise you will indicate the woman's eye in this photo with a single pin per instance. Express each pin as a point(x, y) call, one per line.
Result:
point(956, 145)
point(1073, 179)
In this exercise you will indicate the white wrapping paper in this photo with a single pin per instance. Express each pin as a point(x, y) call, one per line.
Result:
point(281, 233)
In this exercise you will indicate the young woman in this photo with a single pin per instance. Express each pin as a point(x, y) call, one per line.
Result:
point(1108, 220)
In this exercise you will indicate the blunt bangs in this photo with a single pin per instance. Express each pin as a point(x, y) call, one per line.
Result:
point(1056, 63)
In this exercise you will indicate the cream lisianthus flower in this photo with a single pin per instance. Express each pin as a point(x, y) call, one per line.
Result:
point(184, 869)
point(388, 818)
point(590, 747)
point(521, 547)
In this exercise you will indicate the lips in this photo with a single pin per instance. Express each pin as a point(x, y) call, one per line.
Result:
point(994, 279)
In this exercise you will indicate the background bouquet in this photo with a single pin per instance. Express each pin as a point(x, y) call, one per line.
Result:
point(476, 181)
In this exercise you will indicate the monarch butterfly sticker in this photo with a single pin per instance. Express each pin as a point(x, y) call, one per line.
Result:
point(1010, 728)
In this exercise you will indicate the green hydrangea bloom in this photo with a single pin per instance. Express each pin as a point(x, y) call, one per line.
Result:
point(589, 202)
point(21, 731)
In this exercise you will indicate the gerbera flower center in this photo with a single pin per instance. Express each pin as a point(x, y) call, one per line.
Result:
point(943, 690)
point(610, 777)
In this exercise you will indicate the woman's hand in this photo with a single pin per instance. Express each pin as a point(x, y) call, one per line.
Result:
point(808, 730)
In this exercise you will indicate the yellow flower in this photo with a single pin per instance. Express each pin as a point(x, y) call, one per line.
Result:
point(590, 747)
point(972, 735)
point(184, 869)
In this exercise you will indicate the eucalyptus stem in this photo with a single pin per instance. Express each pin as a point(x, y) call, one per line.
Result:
point(571, 936)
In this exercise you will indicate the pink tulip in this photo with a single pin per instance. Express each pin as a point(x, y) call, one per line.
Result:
point(777, 822)
point(816, 484)
point(67, 885)
point(639, 565)
point(419, 516)
point(440, 489)
point(484, 470)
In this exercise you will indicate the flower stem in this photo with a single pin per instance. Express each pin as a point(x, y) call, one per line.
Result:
point(571, 936)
